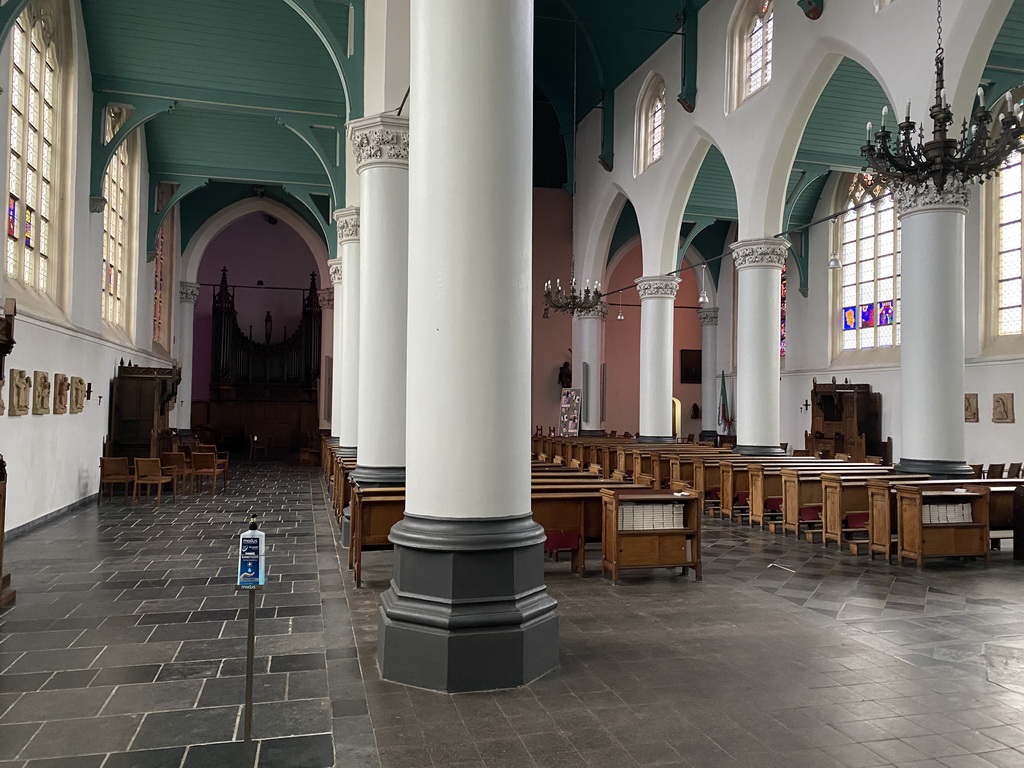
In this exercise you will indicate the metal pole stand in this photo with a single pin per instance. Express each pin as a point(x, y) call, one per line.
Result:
point(250, 659)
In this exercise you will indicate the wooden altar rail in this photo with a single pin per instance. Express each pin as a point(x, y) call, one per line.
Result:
point(883, 528)
point(574, 509)
point(801, 495)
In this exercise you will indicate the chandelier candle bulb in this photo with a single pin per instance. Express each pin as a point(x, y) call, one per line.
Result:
point(908, 110)
point(869, 132)
point(885, 113)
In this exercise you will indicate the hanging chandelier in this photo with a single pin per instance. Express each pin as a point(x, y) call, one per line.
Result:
point(572, 300)
point(908, 159)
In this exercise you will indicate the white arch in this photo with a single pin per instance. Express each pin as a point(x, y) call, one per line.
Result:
point(225, 217)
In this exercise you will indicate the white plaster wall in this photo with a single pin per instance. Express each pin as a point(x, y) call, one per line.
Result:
point(53, 461)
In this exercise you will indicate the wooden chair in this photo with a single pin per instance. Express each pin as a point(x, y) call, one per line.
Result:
point(148, 472)
point(995, 471)
point(1014, 470)
point(206, 464)
point(977, 469)
point(257, 448)
point(177, 464)
point(114, 469)
point(223, 457)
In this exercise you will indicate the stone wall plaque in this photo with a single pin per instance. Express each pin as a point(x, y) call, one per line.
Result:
point(1002, 408)
point(41, 395)
point(971, 407)
point(19, 403)
point(77, 404)
point(61, 389)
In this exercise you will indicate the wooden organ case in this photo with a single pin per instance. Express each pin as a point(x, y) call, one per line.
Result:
point(846, 418)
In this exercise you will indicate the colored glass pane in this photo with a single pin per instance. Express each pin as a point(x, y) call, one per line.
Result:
point(12, 216)
point(886, 315)
point(849, 318)
point(28, 227)
point(867, 316)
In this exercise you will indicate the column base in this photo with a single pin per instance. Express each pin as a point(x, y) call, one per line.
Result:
point(939, 468)
point(378, 477)
point(593, 433)
point(347, 451)
point(654, 439)
point(708, 435)
point(184, 434)
point(467, 609)
point(760, 450)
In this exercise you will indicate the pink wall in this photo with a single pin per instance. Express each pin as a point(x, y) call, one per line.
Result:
point(253, 249)
point(622, 347)
point(552, 336)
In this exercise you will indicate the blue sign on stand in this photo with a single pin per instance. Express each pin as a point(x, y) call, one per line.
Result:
point(252, 559)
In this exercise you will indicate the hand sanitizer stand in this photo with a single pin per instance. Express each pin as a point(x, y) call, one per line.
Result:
point(252, 575)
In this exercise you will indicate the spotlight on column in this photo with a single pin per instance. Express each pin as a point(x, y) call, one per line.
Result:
point(834, 263)
point(621, 316)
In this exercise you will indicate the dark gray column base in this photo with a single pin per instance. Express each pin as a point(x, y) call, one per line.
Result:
point(654, 439)
point(592, 433)
point(707, 435)
point(378, 477)
point(467, 609)
point(347, 451)
point(941, 469)
point(760, 450)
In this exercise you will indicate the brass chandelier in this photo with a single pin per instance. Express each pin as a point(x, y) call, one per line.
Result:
point(908, 160)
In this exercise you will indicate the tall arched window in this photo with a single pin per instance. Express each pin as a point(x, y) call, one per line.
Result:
point(118, 190)
point(758, 65)
point(650, 123)
point(1009, 320)
point(33, 152)
point(870, 294)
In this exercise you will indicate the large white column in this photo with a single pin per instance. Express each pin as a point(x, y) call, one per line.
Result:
point(381, 147)
point(758, 326)
point(337, 393)
point(188, 295)
point(932, 329)
point(345, 425)
point(467, 608)
point(708, 372)
point(657, 323)
point(589, 327)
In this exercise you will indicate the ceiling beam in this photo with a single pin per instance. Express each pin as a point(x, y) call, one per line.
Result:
point(304, 194)
point(687, 97)
point(239, 175)
point(186, 186)
point(143, 109)
point(327, 143)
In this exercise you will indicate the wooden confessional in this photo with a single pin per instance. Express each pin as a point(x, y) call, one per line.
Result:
point(140, 403)
point(846, 418)
point(259, 388)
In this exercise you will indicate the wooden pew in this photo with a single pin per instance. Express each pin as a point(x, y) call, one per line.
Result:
point(801, 494)
point(845, 507)
point(736, 484)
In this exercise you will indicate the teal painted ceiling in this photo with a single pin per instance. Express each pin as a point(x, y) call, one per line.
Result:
point(235, 71)
point(1005, 67)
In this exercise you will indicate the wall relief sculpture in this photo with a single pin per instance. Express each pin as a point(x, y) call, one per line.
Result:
point(61, 388)
point(19, 402)
point(41, 397)
point(77, 394)
point(1002, 408)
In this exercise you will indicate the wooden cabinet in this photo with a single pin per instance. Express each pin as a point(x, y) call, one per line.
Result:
point(649, 528)
point(139, 410)
point(950, 522)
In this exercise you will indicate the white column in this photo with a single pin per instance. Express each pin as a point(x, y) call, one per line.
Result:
point(381, 147)
point(758, 327)
point(337, 393)
point(345, 422)
point(657, 302)
point(708, 372)
point(188, 295)
point(932, 329)
point(590, 343)
point(467, 609)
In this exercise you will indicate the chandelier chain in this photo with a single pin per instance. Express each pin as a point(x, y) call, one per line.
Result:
point(939, 50)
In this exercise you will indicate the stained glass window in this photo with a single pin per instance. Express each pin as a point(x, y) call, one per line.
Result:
point(116, 223)
point(870, 296)
point(759, 49)
point(162, 267)
point(1008, 292)
point(657, 127)
point(34, 134)
point(782, 321)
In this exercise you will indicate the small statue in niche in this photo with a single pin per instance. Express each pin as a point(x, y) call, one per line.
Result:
point(19, 393)
point(41, 400)
point(565, 376)
point(61, 386)
point(77, 394)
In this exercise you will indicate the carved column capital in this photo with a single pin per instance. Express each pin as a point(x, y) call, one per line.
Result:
point(347, 220)
point(657, 287)
point(326, 298)
point(759, 253)
point(708, 316)
point(334, 265)
point(380, 141)
point(599, 312)
point(909, 198)
point(188, 292)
